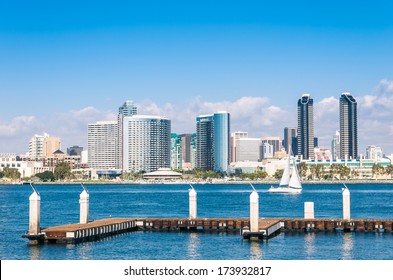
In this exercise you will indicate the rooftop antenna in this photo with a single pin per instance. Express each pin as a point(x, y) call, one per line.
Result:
point(34, 188)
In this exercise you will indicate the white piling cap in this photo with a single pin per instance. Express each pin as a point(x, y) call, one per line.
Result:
point(192, 191)
point(84, 194)
point(35, 196)
point(345, 191)
point(254, 197)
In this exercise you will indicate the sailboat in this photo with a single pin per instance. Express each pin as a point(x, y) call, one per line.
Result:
point(289, 183)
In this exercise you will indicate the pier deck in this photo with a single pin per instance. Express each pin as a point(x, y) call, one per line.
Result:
point(268, 227)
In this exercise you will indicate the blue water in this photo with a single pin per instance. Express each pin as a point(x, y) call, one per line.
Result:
point(59, 205)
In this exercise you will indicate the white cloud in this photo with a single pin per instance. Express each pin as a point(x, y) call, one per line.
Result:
point(17, 125)
point(384, 87)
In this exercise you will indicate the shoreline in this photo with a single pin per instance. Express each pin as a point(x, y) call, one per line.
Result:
point(265, 182)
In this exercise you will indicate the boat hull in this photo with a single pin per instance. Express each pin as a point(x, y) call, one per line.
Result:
point(284, 190)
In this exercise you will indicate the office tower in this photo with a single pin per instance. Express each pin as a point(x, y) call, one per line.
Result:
point(146, 143)
point(74, 151)
point(374, 152)
point(248, 149)
point(336, 146)
point(274, 141)
point(126, 110)
point(234, 137)
point(205, 142)
point(316, 142)
point(193, 151)
point(176, 151)
point(43, 146)
point(186, 151)
point(294, 146)
point(102, 139)
point(267, 150)
point(289, 134)
point(221, 141)
point(348, 126)
point(213, 147)
point(305, 128)
point(36, 147)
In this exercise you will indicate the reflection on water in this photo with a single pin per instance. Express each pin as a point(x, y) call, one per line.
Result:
point(193, 245)
point(348, 242)
point(309, 245)
point(255, 250)
point(84, 250)
point(35, 252)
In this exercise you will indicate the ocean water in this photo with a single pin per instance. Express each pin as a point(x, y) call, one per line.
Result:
point(60, 205)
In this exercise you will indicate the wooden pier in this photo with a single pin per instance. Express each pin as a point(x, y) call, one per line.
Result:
point(268, 228)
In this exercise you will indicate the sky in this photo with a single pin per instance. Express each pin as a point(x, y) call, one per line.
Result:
point(64, 64)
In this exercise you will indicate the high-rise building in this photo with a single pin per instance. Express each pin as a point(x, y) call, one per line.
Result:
point(374, 152)
point(176, 151)
point(221, 141)
point(248, 149)
point(213, 141)
point(43, 146)
point(126, 110)
point(75, 151)
point(274, 141)
point(267, 150)
point(36, 147)
point(146, 143)
point(289, 134)
point(305, 127)
point(234, 137)
point(186, 151)
point(102, 140)
point(348, 126)
point(205, 142)
point(336, 146)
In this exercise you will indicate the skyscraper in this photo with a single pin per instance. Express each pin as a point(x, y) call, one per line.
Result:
point(213, 141)
point(348, 126)
point(126, 110)
point(234, 137)
point(146, 143)
point(289, 134)
point(176, 151)
point(305, 127)
point(205, 142)
point(102, 138)
point(336, 146)
point(221, 141)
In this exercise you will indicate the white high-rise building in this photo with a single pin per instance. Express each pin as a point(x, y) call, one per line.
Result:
point(36, 147)
point(374, 152)
point(336, 146)
point(146, 143)
point(234, 137)
point(102, 139)
point(248, 149)
point(126, 110)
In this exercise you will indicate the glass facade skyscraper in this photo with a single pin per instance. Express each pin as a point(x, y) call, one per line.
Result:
point(305, 127)
point(205, 142)
point(348, 126)
point(213, 141)
point(221, 141)
point(126, 110)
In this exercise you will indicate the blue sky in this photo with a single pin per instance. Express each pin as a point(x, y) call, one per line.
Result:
point(65, 64)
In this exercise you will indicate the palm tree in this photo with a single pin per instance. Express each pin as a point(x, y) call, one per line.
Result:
point(389, 170)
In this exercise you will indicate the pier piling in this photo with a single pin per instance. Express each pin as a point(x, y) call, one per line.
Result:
point(346, 204)
point(309, 210)
point(84, 206)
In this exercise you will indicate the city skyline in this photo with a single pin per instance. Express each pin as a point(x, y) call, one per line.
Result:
point(65, 67)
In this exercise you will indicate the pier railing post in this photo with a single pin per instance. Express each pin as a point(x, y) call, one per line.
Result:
point(309, 210)
point(254, 212)
point(346, 204)
point(192, 203)
point(34, 213)
point(84, 206)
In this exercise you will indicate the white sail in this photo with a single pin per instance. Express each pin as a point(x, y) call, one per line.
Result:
point(294, 182)
point(285, 176)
